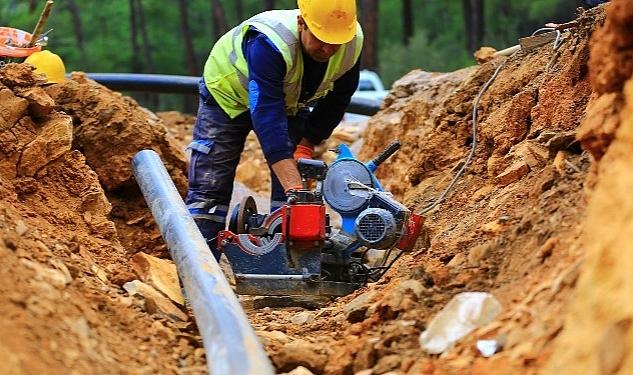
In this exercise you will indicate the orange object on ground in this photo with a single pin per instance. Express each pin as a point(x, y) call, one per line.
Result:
point(14, 42)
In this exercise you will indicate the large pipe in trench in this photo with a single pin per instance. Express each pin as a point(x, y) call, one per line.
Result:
point(231, 345)
point(175, 84)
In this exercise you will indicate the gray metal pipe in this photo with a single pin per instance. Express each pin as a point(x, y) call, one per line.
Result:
point(175, 84)
point(231, 345)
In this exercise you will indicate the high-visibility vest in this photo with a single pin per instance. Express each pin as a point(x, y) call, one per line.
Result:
point(226, 70)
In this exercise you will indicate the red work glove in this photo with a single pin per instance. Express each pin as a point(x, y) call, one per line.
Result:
point(303, 152)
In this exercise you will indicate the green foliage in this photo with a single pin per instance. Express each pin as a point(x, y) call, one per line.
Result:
point(439, 43)
point(439, 55)
point(15, 14)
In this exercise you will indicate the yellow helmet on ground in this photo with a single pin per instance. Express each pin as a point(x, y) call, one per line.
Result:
point(332, 21)
point(49, 64)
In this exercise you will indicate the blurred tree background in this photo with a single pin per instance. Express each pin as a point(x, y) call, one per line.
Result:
point(175, 37)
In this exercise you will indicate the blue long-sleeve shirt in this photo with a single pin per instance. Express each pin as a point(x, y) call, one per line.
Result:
point(267, 69)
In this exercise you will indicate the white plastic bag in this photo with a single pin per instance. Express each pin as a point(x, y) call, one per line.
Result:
point(464, 313)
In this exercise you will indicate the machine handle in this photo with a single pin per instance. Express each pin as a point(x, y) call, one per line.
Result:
point(386, 153)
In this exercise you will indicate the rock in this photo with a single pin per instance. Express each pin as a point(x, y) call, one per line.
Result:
point(52, 141)
point(483, 193)
point(12, 108)
point(21, 228)
point(613, 346)
point(597, 130)
point(561, 141)
point(512, 174)
point(58, 276)
point(303, 317)
point(388, 365)
point(40, 104)
point(478, 253)
point(545, 181)
point(154, 299)
point(548, 248)
point(269, 338)
point(403, 297)
point(159, 273)
point(356, 310)
point(300, 353)
point(300, 371)
point(366, 356)
point(484, 54)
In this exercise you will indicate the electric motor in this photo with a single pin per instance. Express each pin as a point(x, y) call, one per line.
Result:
point(376, 228)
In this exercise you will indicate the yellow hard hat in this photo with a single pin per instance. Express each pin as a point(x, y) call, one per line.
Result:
point(49, 64)
point(332, 21)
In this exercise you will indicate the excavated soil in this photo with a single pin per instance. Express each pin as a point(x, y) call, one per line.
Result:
point(540, 219)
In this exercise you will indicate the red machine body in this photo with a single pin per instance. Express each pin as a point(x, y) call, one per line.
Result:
point(304, 224)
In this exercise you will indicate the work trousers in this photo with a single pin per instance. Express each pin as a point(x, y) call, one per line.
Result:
point(218, 142)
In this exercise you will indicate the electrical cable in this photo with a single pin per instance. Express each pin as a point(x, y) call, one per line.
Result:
point(557, 41)
point(557, 44)
point(474, 144)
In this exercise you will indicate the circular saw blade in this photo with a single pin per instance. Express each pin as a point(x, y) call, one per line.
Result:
point(336, 187)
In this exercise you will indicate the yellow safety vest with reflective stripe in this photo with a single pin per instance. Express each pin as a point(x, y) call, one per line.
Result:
point(226, 70)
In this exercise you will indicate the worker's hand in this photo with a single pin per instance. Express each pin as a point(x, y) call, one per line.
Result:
point(304, 152)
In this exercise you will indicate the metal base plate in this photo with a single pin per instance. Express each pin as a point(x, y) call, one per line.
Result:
point(292, 287)
point(271, 274)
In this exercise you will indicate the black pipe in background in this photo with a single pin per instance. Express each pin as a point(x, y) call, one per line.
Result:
point(159, 83)
point(175, 84)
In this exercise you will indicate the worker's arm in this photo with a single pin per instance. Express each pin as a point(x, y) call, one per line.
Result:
point(267, 69)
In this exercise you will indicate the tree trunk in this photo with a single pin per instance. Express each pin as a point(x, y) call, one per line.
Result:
point(185, 32)
point(136, 64)
point(239, 10)
point(473, 23)
point(269, 4)
point(146, 44)
point(220, 26)
point(32, 6)
point(145, 47)
point(369, 21)
point(407, 18)
point(79, 33)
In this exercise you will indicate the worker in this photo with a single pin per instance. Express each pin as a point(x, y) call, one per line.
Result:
point(265, 75)
point(49, 64)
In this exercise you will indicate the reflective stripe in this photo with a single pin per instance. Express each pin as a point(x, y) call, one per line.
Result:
point(211, 205)
point(200, 146)
point(289, 39)
point(233, 57)
point(208, 210)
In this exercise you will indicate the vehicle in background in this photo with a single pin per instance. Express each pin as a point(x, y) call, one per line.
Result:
point(370, 86)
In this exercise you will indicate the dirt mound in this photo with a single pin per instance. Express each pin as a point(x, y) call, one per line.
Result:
point(538, 219)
